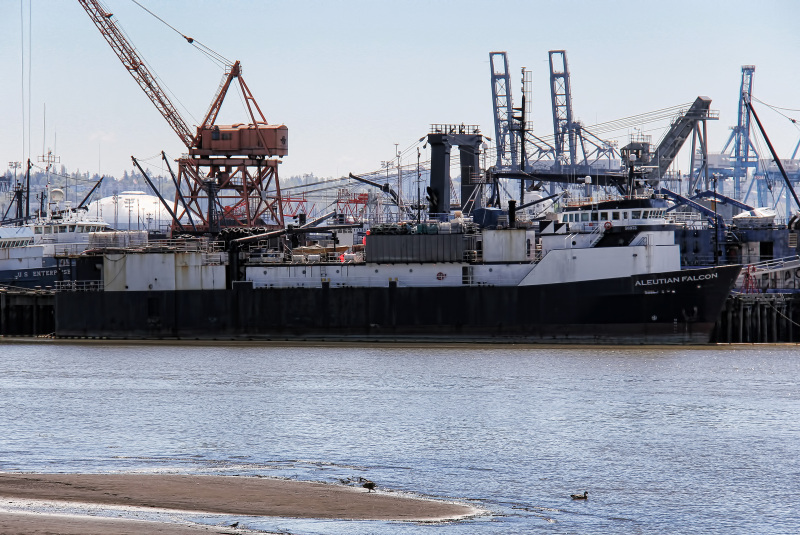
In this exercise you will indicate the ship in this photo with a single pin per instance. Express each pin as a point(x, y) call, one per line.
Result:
point(600, 272)
point(38, 253)
point(23, 263)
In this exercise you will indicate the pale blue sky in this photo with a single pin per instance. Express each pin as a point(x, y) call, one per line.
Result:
point(352, 78)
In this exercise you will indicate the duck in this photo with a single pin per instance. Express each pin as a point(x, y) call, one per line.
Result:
point(583, 496)
point(369, 485)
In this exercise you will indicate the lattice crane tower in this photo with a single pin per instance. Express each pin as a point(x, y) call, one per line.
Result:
point(230, 176)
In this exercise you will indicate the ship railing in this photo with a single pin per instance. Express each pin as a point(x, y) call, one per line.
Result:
point(596, 235)
point(777, 263)
point(79, 286)
point(691, 220)
point(214, 259)
point(596, 199)
point(183, 245)
point(67, 249)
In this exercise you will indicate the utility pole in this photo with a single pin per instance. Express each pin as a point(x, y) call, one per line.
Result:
point(129, 205)
point(399, 184)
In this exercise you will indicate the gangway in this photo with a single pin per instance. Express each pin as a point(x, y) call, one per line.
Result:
point(687, 124)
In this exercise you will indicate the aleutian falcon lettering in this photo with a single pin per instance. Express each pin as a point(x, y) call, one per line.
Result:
point(672, 280)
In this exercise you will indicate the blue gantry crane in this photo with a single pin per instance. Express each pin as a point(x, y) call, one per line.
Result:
point(739, 147)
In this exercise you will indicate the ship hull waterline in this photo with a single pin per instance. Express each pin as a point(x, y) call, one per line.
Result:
point(679, 307)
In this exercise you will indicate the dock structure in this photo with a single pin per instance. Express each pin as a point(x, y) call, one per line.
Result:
point(26, 312)
point(759, 318)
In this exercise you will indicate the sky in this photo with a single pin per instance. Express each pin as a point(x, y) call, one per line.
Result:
point(353, 78)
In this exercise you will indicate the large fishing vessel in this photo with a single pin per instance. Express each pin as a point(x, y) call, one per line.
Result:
point(24, 264)
point(600, 272)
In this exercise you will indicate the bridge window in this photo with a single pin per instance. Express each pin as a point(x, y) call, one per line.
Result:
point(615, 216)
point(636, 214)
point(603, 216)
point(585, 216)
point(594, 216)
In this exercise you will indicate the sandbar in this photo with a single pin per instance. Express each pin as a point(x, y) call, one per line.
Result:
point(227, 495)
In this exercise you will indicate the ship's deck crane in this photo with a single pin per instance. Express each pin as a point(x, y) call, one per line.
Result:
point(231, 169)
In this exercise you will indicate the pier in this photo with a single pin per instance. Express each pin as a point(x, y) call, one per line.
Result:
point(26, 312)
point(759, 318)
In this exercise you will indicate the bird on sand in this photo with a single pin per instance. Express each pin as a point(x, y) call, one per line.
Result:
point(583, 496)
point(369, 485)
point(234, 524)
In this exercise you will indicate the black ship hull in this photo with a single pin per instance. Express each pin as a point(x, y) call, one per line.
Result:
point(40, 277)
point(678, 307)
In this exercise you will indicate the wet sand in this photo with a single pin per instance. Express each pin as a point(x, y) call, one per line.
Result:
point(253, 496)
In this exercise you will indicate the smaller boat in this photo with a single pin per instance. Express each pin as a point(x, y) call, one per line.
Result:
point(757, 217)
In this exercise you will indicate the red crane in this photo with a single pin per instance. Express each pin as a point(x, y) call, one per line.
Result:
point(232, 167)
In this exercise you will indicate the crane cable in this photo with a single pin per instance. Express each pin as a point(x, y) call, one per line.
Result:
point(776, 108)
point(211, 54)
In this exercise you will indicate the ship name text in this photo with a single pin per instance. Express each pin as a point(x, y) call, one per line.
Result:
point(673, 280)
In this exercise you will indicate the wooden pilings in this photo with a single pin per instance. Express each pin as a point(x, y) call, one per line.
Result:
point(26, 312)
point(759, 318)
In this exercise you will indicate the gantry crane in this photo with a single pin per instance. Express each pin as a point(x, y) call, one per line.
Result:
point(742, 150)
point(231, 171)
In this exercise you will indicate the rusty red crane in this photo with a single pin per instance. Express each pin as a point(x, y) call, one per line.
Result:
point(231, 171)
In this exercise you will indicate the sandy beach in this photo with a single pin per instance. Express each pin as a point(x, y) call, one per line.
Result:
point(252, 496)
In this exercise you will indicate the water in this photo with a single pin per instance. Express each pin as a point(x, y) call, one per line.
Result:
point(668, 440)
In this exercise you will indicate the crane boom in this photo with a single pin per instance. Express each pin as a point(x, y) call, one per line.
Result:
point(137, 68)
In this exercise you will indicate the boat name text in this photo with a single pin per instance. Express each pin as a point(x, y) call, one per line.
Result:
point(682, 278)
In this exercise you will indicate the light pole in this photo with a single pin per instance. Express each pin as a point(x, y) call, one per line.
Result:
point(129, 205)
point(115, 200)
point(419, 179)
point(15, 166)
point(386, 165)
point(716, 222)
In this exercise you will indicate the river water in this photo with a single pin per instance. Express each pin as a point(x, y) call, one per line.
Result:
point(665, 440)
